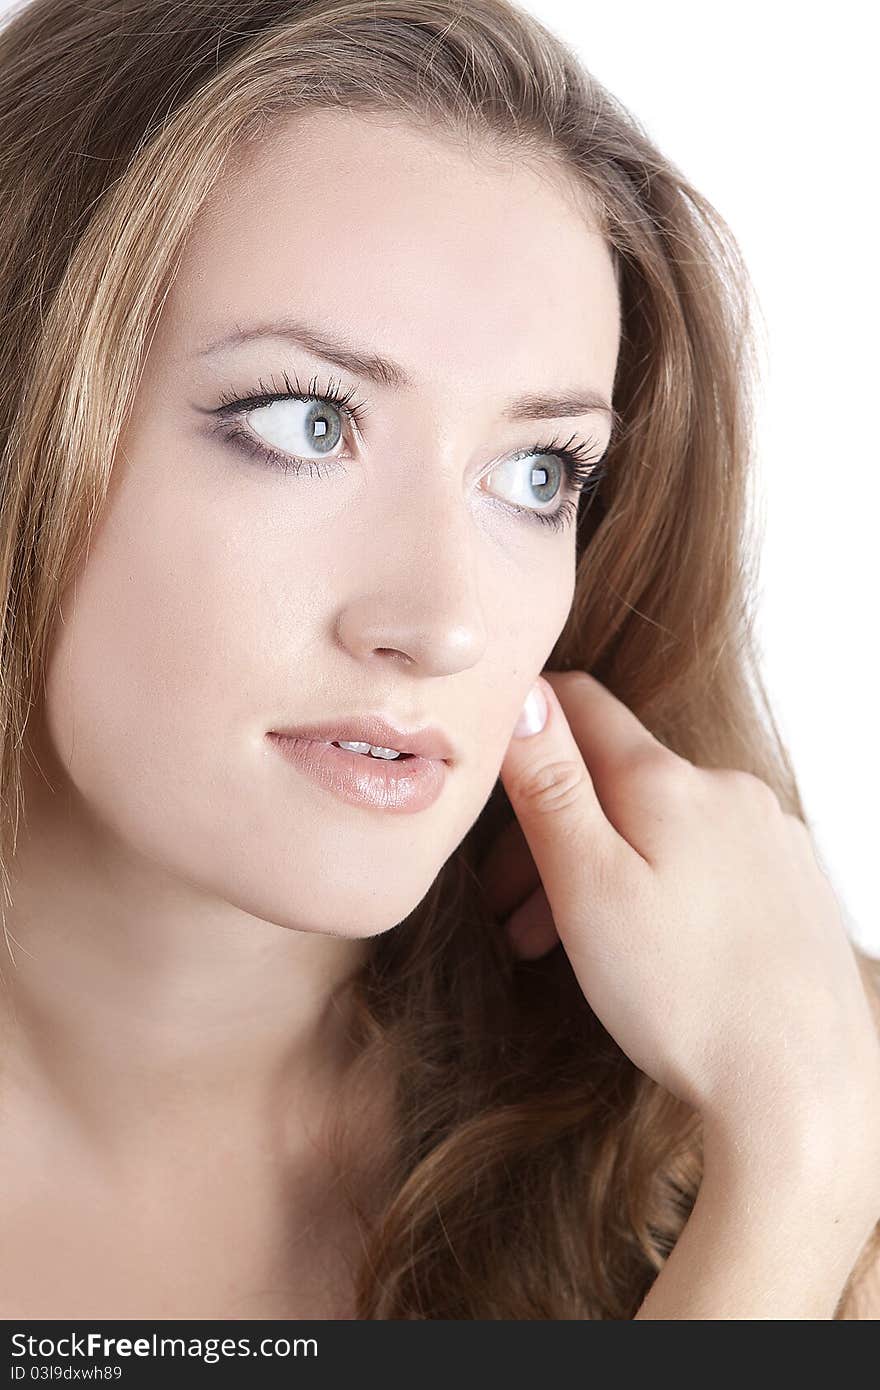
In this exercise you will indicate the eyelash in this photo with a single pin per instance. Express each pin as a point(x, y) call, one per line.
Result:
point(583, 464)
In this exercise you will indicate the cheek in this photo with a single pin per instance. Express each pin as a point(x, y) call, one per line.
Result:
point(541, 607)
point(527, 624)
point(154, 674)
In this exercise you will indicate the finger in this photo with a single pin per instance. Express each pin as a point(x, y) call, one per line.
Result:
point(606, 730)
point(508, 872)
point(531, 928)
point(642, 785)
point(552, 794)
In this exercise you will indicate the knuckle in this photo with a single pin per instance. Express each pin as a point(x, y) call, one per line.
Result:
point(662, 772)
point(551, 787)
point(799, 828)
point(802, 839)
point(754, 788)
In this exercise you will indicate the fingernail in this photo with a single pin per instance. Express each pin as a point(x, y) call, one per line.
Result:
point(534, 713)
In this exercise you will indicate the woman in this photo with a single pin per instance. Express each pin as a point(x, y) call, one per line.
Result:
point(313, 317)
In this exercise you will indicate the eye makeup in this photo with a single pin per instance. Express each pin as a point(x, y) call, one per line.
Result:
point(582, 464)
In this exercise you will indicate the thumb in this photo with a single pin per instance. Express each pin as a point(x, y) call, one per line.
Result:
point(552, 795)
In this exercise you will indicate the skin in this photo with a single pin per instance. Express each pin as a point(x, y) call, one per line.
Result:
point(186, 904)
point(708, 940)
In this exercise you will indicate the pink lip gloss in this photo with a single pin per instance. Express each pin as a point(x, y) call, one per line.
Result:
point(387, 784)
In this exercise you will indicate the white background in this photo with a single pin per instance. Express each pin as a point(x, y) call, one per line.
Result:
point(767, 108)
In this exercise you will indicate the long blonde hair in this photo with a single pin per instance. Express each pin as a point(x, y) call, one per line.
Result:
point(535, 1173)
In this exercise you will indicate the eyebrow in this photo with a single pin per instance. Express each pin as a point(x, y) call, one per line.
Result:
point(539, 405)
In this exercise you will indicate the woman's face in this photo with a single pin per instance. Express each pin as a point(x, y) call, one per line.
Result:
point(224, 598)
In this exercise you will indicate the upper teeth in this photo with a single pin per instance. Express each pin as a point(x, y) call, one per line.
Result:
point(369, 748)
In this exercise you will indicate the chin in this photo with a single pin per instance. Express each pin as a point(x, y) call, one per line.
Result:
point(353, 911)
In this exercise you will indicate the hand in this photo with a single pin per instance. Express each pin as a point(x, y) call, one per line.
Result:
point(698, 922)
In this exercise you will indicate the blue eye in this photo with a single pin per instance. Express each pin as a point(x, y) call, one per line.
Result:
point(318, 425)
point(581, 466)
point(562, 467)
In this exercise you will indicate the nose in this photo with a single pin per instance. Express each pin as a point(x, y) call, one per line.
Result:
point(416, 595)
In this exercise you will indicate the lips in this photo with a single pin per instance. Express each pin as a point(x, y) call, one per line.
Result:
point(399, 785)
point(428, 742)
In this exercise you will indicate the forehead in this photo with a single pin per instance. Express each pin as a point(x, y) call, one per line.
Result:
point(428, 248)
